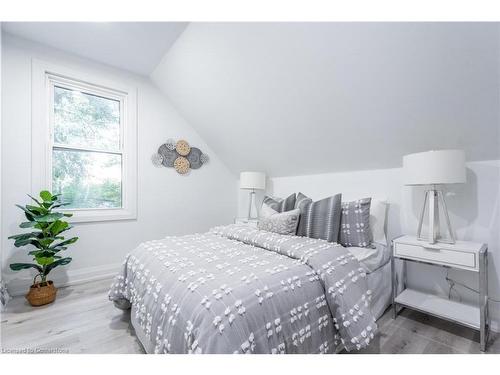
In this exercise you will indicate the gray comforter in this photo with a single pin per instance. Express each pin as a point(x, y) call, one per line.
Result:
point(240, 290)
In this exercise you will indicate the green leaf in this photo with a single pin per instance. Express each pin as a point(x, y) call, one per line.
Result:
point(57, 227)
point(37, 210)
point(24, 266)
point(47, 205)
point(23, 236)
point(68, 214)
point(56, 249)
point(28, 224)
point(42, 253)
point(24, 242)
point(46, 196)
point(36, 200)
point(28, 213)
point(59, 262)
point(45, 242)
point(44, 261)
point(67, 242)
point(55, 197)
point(49, 217)
point(40, 225)
point(60, 204)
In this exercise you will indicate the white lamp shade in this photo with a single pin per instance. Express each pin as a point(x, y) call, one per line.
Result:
point(434, 167)
point(252, 180)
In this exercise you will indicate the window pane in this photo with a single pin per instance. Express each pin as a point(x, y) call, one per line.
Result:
point(85, 120)
point(87, 179)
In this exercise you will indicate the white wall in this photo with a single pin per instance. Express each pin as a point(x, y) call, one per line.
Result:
point(474, 212)
point(296, 98)
point(168, 204)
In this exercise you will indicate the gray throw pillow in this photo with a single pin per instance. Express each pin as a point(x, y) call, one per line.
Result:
point(266, 211)
point(302, 203)
point(355, 223)
point(319, 219)
point(281, 223)
point(280, 204)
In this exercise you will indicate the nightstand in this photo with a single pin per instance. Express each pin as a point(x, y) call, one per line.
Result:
point(251, 222)
point(464, 255)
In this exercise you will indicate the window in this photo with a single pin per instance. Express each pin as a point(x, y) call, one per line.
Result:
point(89, 143)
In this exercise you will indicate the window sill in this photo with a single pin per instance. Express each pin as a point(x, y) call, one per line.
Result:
point(89, 216)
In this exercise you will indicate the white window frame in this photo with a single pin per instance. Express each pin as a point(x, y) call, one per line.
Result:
point(44, 77)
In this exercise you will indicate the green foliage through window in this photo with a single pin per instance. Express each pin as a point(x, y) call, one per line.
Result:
point(84, 123)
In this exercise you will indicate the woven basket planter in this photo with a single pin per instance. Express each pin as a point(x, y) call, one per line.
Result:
point(40, 295)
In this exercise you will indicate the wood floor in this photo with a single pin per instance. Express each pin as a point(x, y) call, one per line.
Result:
point(83, 321)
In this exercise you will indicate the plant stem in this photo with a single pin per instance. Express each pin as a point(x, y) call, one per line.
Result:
point(44, 275)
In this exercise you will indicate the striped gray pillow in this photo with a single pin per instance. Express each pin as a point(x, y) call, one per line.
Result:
point(319, 219)
point(355, 223)
point(279, 204)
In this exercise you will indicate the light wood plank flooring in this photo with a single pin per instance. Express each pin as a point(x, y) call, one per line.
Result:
point(82, 320)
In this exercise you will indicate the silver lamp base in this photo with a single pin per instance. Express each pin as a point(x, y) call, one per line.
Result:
point(251, 205)
point(432, 199)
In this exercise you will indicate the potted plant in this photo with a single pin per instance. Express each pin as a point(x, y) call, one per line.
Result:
point(46, 238)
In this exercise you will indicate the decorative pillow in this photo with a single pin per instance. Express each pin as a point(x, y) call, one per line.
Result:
point(281, 223)
point(319, 219)
point(302, 203)
point(355, 223)
point(280, 204)
point(266, 211)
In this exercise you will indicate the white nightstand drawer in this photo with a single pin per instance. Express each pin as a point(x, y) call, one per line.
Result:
point(434, 254)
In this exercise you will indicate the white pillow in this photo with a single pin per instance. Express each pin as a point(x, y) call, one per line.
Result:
point(266, 211)
point(378, 214)
point(281, 223)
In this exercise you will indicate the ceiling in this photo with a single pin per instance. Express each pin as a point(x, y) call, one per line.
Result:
point(134, 46)
point(303, 98)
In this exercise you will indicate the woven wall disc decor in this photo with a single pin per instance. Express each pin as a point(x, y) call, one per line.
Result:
point(182, 147)
point(194, 158)
point(180, 156)
point(168, 156)
point(181, 165)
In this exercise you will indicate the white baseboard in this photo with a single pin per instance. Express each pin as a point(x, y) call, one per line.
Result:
point(19, 286)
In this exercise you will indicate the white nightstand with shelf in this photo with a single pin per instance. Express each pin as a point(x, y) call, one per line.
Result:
point(462, 255)
point(243, 220)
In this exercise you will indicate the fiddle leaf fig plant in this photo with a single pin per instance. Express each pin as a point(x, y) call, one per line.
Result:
point(45, 237)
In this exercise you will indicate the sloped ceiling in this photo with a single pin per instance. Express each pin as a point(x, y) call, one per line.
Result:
point(134, 46)
point(303, 98)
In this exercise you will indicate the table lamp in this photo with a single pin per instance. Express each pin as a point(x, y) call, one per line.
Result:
point(252, 181)
point(434, 168)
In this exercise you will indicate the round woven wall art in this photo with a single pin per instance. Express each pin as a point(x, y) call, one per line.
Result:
point(170, 144)
point(168, 156)
point(181, 165)
point(180, 156)
point(157, 160)
point(194, 158)
point(182, 147)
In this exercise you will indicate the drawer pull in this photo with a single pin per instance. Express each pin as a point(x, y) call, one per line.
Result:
point(431, 248)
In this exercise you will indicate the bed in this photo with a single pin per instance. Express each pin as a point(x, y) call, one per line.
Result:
point(237, 289)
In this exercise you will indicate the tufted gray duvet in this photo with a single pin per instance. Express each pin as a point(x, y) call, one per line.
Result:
point(236, 289)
